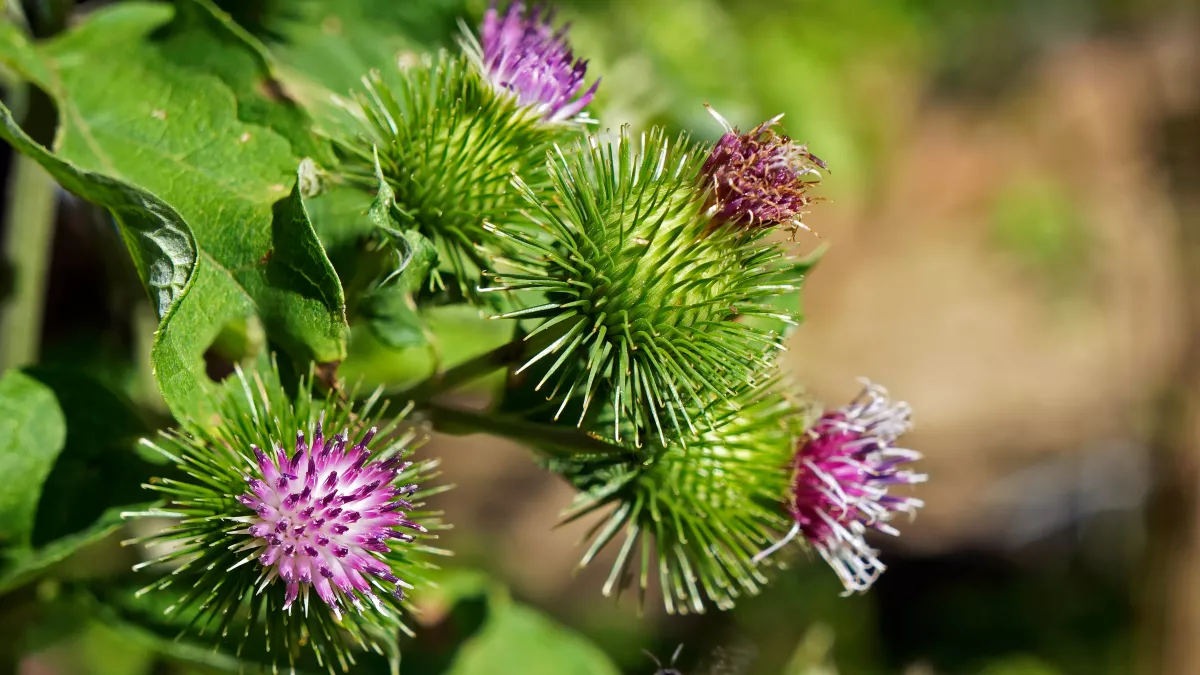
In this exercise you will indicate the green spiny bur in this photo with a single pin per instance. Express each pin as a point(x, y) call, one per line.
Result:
point(448, 143)
point(699, 511)
point(646, 295)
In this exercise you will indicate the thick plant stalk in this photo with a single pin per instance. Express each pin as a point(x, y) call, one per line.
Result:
point(554, 440)
point(29, 215)
point(465, 372)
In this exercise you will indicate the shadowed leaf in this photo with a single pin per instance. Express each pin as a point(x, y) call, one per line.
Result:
point(32, 431)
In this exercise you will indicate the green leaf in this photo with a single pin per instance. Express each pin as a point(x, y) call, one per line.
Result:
point(389, 307)
point(494, 634)
point(296, 266)
point(204, 38)
point(415, 253)
point(24, 565)
point(82, 645)
point(461, 333)
point(32, 432)
point(159, 241)
point(393, 319)
point(520, 640)
point(131, 114)
point(99, 467)
point(327, 46)
point(97, 474)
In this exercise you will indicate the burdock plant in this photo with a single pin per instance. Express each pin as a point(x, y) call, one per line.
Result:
point(648, 280)
point(842, 472)
point(760, 178)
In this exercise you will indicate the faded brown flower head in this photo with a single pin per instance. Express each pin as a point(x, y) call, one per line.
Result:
point(760, 178)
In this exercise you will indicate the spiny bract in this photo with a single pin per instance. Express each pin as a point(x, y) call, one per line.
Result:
point(452, 129)
point(700, 511)
point(649, 303)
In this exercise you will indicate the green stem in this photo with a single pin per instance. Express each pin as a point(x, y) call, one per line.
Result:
point(553, 440)
point(47, 17)
point(465, 372)
point(30, 219)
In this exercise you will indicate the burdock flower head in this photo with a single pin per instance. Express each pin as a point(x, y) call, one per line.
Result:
point(520, 52)
point(287, 501)
point(447, 134)
point(841, 474)
point(698, 513)
point(760, 178)
point(645, 304)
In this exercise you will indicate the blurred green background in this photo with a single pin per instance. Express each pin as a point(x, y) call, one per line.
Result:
point(1012, 215)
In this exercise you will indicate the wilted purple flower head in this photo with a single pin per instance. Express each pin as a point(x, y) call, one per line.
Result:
point(841, 474)
point(323, 518)
point(760, 178)
point(521, 53)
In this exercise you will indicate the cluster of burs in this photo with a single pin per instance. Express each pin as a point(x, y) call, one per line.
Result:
point(651, 282)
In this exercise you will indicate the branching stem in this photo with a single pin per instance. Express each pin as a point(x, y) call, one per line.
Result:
point(467, 371)
point(554, 440)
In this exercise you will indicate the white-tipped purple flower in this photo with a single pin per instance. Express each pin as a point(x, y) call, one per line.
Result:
point(324, 517)
point(841, 474)
point(520, 52)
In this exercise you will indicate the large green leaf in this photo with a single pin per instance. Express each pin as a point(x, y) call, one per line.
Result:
point(159, 241)
point(517, 639)
point(100, 467)
point(204, 38)
point(32, 431)
point(97, 474)
point(130, 113)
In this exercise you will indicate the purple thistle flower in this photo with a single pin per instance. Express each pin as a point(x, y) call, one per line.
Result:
point(760, 178)
point(323, 517)
point(841, 474)
point(521, 53)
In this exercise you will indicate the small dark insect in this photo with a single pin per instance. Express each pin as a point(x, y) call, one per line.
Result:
point(670, 668)
point(816, 160)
